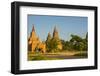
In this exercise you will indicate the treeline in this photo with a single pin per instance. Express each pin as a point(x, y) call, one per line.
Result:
point(76, 43)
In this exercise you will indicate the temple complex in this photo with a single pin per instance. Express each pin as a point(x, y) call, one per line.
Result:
point(36, 45)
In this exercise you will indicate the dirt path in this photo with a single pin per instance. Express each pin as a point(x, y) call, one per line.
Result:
point(65, 57)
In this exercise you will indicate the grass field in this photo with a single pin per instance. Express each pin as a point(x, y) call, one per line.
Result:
point(57, 56)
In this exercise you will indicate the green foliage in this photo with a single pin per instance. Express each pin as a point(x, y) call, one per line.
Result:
point(43, 57)
point(66, 45)
point(75, 38)
point(39, 57)
point(52, 45)
point(76, 43)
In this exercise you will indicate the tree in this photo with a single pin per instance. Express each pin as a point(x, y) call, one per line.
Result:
point(48, 42)
point(66, 45)
point(52, 45)
point(75, 38)
point(86, 37)
point(48, 37)
point(77, 43)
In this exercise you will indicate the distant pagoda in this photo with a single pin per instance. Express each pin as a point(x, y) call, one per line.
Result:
point(49, 37)
point(56, 37)
point(55, 33)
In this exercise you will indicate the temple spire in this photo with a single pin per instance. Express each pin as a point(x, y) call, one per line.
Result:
point(33, 29)
point(55, 33)
point(49, 36)
point(55, 29)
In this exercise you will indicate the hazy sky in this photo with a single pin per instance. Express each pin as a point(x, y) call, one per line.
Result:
point(66, 25)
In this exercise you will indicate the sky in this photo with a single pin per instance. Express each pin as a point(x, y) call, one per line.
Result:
point(66, 25)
